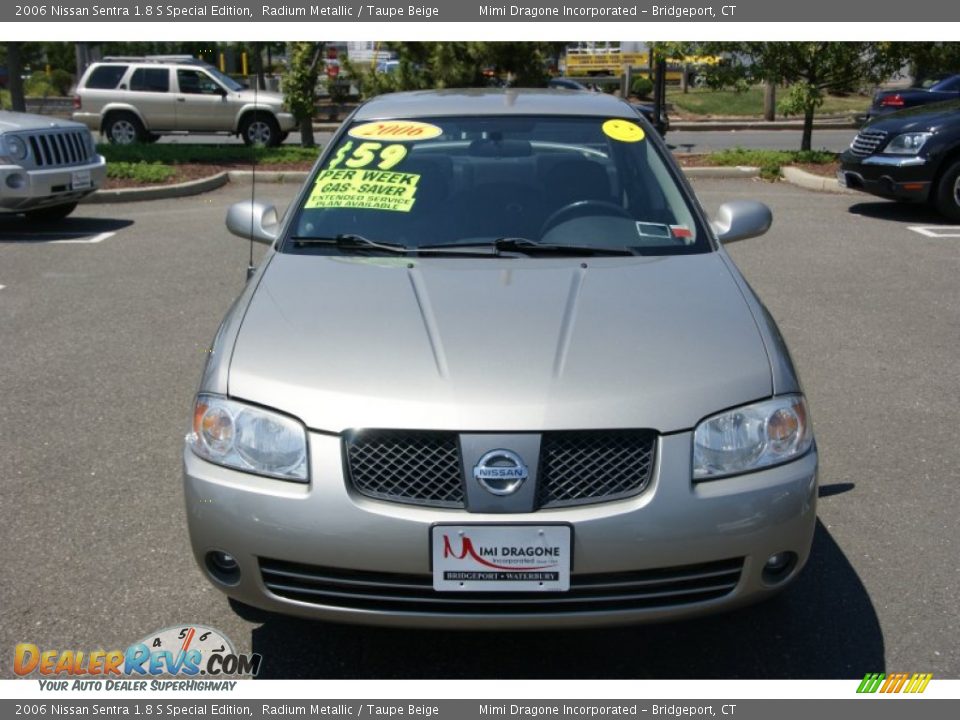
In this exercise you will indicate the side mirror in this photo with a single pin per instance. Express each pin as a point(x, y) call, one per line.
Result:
point(741, 219)
point(253, 220)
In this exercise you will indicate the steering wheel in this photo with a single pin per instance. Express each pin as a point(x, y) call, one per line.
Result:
point(579, 208)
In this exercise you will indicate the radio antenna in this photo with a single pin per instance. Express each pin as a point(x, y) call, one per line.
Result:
point(253, 173)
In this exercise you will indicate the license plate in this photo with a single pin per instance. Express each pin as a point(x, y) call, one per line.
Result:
point(842, 178)
point(80, 180)
point(501, 558)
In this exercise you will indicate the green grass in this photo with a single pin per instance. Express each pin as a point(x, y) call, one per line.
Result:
point(703, 101)
point(206, 154)
point(769, 161)
point(140, 171)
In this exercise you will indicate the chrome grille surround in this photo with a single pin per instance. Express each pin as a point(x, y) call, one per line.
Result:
point(867, 142)
point(577, 467)
point(56, 148)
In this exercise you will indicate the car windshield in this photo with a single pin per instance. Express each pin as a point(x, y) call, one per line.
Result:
point(584, 182)
point(225, 80)
point(947, 84)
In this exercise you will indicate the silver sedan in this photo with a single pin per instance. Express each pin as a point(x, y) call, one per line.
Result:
point(497, 370)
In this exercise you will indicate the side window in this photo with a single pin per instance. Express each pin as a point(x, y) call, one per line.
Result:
point(106, 77)
point(150, 80)
point(194, 82)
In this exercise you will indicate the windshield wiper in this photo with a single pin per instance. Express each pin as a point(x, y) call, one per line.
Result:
point(532, 247)
point(352, 242)
point(348, 241)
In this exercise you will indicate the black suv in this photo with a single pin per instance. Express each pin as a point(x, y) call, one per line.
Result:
point(912, 156)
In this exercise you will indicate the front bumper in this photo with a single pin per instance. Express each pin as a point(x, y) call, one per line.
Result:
point(24, 189)
point(896, 177)
point(286, 121)
point(673, 524)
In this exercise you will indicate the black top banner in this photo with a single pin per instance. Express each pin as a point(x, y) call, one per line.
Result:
point(472, 11)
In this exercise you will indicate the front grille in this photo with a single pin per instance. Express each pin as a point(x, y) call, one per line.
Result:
point(867, 142)
point(394, 592)
point(58, 148)
point(581, 467)
point(424, 467)
point(421, 468)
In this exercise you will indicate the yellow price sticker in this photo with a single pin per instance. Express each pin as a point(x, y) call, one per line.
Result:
point(368, 153)
point(364, 190)
point(396, 130)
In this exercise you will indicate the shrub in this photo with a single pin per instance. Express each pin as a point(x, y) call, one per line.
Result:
point(140, 171)
point(642, 87)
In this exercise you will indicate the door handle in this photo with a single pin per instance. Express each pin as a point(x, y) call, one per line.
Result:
point(181, 99)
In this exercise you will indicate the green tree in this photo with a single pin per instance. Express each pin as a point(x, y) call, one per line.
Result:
point(300, 85)
point(444, 64)
point(925, 59)
point(812, 69)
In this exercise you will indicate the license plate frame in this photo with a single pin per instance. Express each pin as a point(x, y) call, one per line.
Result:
point(510, 558)
point(80, 180)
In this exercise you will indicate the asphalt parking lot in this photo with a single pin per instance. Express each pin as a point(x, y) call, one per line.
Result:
point(104, 323)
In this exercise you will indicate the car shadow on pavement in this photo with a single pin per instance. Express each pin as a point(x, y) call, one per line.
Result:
point(824, 626)
point(899, 212)
point(15, 229)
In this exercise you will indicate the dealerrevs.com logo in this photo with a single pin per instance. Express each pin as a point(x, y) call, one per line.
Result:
point(181, 651)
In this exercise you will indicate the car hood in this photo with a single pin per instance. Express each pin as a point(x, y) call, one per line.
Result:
point(10, 121)
point(917, 119)
point(499, 343)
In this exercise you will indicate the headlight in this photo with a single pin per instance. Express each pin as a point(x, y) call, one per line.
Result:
point(248, 438)
point(15, 148)
point(752, 437)
point(907, 144)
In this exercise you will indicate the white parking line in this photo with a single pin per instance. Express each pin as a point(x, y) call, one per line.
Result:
point(936, 231)
point(85, 241)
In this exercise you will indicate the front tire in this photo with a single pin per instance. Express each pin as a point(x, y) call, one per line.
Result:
point(124, 129)
point(948, 192)
point(260, 129)
point(52, 213)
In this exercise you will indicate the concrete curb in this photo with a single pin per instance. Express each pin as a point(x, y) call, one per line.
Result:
point(159, 192)
point(269, 176)
point(705, 125)
point(792, 175)
point(719, 173)
point(809, 181)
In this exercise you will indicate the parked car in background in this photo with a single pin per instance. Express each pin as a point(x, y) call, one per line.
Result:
point(139, 99)
point(497, 369)
point(911, 156)
point(46, 165)
point(890, 101)
point(660, 121)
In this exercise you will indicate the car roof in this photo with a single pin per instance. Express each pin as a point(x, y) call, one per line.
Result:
point(493, 101)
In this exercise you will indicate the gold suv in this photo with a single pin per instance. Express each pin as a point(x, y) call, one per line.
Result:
point(138, 99)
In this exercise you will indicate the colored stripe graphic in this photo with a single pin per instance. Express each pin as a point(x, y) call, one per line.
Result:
point(894, 683)
point(871, 681)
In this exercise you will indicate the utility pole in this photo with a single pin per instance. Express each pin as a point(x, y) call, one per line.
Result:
point(16, 81)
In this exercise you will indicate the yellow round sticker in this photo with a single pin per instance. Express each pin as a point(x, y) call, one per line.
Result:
point(396, 130)
point(623, 130)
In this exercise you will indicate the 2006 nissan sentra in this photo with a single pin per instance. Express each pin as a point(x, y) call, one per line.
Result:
point(497, 370)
